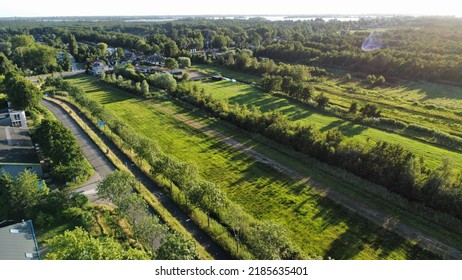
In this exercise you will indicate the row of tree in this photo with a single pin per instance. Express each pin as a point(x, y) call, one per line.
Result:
point(196, 192)
point(118, 187)
point(419, 48)
point(386, 164)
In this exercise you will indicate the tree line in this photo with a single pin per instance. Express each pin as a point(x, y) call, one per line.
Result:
point(411, 48)
point(387, 164)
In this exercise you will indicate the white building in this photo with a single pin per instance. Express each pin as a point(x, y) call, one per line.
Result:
point(98, 67)
point(18, 118)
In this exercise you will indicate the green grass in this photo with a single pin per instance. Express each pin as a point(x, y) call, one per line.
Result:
point(297, 112)
point(228, 73)
point(409, 102)
point(317, 225)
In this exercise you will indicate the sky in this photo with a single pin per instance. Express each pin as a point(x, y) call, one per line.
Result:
point(33, 8)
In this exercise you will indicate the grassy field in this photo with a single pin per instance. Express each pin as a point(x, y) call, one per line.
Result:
point(228, 73)
point(410, 102)
point(316, 224)
point(297, 112)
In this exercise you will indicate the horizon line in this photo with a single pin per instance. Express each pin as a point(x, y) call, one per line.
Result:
point(239, 15)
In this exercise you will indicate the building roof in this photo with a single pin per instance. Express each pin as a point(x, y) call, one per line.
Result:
point(18, 242)
point(98, 64)
point(16, 146)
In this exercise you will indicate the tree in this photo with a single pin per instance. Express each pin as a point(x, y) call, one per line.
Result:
point(25, 192)
point(6, 183)
point(6, 66)
point(58, 142)
point(207, 196)
point(271, 83)
point(370, 111)
point(101, 49)
point(73, 46)
point(120, 53)
point(66, 63)
point(78, 244)
point(18, 41)
point(22, 93)
point(371, 79)
point(185, 62)
point(176, 246)
point(102, 75)
point(287, 82)
point(137, 87)
point(163, 81)
point(149, 230)
point(220, 41)
point(322, 101)
point(144, 88)
point(171, 49)
point(270, 241)
point(380, 80)
point(236, 220)
point(37, 57)
point(171, 63)
point(353, 108)
point(116, 186)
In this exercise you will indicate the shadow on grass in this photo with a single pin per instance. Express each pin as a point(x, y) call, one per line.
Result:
point(361, 235)
point(433, 90)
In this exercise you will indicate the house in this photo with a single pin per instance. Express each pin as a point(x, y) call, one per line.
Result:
point(17, 153)
point(15, 118)
point(18, 118)
point(155, 59)
point(130, 56)
point(99, 67)
point(18, 241)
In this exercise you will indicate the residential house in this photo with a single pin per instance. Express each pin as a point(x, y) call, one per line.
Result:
point(99, 67)
point(155, 59)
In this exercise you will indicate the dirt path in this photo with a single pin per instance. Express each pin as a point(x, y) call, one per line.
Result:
point(373, 215)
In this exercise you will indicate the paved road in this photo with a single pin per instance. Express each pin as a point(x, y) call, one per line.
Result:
point(34, 79)
point(201, 236)
point(97, 159)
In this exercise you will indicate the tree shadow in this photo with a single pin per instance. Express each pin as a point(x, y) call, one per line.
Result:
point(351, 129)
point(433, 90)
point(334, 124)
point(361, 235)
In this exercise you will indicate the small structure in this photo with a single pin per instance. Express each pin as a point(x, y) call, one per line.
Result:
point(18, 118)
point(18, 241)
point(15, 118)
point(176, 72)
point(99, 67)
point(217, 77)
point(17, 153)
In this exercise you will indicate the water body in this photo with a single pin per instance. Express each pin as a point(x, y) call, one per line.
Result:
point(270, 18)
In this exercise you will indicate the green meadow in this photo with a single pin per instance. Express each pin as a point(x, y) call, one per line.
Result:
point(298, 112)
point(316, 224)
